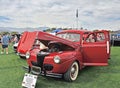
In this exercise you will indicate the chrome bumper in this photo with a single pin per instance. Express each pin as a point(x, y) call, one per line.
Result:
point(37, 71)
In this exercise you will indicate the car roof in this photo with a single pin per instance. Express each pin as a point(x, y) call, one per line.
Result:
point(74, 31)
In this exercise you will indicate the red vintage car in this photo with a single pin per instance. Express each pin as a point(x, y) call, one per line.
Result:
point(68, 52)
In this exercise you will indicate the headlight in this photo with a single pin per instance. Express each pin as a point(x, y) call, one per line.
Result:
point(57, 59)
point(27, 55)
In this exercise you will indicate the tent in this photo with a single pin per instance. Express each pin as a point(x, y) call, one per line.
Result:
point(57, 30)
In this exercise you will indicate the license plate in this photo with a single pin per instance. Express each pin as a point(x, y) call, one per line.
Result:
point(29, 80)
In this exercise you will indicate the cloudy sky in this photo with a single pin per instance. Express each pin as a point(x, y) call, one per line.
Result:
point(92, 14)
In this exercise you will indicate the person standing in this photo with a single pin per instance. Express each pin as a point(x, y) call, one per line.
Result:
point(5, 42)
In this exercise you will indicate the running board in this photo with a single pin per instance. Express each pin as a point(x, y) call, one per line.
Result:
point(95, 64)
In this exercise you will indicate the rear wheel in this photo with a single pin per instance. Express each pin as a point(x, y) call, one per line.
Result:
point(72, 72)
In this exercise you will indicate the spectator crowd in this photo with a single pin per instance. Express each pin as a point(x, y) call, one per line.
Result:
point(6, 40)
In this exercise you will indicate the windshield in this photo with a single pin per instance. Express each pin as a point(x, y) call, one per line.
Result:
point(70, 36)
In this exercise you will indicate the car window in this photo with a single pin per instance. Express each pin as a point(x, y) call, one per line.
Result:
point(90, 38)
point(70, 36)
point(100, 36)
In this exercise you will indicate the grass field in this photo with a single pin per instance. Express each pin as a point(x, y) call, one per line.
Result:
point(11, 74)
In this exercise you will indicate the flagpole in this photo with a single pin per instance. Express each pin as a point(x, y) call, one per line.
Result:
point(77, 23)
point(77, 19)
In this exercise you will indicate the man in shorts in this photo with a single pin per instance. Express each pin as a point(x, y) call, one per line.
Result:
point(5, 42)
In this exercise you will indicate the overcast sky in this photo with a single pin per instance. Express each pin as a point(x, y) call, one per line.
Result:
point(92, 14)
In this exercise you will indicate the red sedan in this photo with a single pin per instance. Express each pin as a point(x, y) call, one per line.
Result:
point(68, 52)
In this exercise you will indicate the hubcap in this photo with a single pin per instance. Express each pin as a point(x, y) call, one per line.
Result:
point(74, 71)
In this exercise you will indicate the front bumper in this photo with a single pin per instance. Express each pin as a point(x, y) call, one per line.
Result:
point(37, 71)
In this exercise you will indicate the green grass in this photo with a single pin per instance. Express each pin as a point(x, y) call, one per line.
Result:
point(11, 74)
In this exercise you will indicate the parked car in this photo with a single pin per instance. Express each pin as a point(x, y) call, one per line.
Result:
point(68, 52)
point(115, 39)
point(15, 40)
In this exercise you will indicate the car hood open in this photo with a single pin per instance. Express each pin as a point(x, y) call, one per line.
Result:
point(49, 37)
point(26, 41)
point(28, 38)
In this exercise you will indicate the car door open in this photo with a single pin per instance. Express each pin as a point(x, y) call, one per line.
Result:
point(96, 49)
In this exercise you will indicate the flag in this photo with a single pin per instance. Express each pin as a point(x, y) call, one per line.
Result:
point(77, 13)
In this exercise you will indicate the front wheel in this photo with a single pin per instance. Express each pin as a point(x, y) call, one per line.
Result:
point(72, 72)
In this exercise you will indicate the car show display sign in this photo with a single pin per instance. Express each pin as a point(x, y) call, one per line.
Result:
point(29, 80)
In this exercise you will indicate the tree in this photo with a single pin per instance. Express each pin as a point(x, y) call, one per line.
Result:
point(5, 32)
point(13, 33)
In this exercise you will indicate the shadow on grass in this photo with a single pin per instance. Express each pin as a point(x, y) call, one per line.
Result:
point(85, 76)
